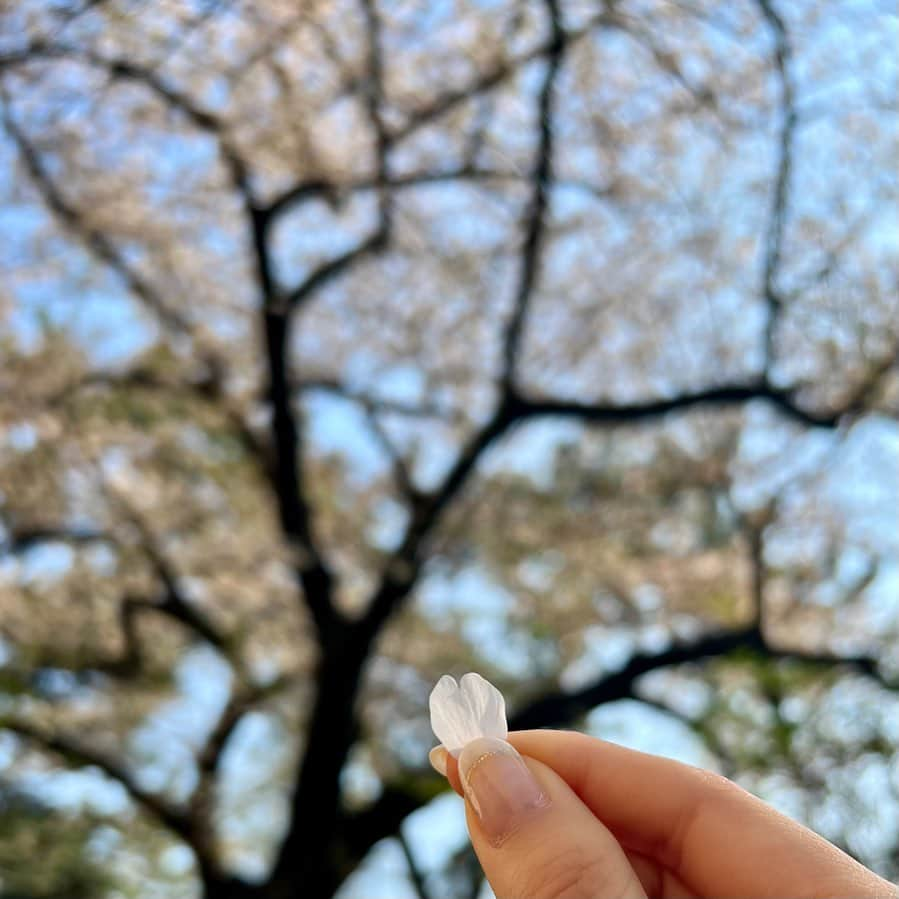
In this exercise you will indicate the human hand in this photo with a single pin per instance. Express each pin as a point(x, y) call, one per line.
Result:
point(579, 817)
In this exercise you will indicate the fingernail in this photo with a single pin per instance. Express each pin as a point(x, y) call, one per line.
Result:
point(437, 758)
point(499, 786)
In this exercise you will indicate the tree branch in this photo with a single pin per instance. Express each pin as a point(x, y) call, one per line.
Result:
point(94, 240)
point(97, 242)
point(415, 876)
point(726, 395)
point(777, 216)
point(402, 570)
point(377, 404)
point(422, 115)
point(19, 540)
point(558, 41)
point(561, 708)
point(80, 755)
point(206, 390)
point(279, 311)
point(536, 213)
point(244, 698)
point(401, 475)
point(379, 239)
point(314, 575)
point(174, 603)
point(303, 856)
point(334, 268)
point(127, 70)
point(333, 190)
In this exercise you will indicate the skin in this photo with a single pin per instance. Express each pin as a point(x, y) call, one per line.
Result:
point(622, 824)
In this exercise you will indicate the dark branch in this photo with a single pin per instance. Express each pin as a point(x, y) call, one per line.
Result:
point(303, 854)
point(314, 575)
point(777, 217)
point(244, 698)
point(401, 475)
point(97, 242)
point(415, 875)
point(375, 403)
point(336, 267)
point(558, 41)
point(320, 188)
point(94, 240)
point(420, 116)
point(19, 540)
point(80, 755)
point(401, 573)
point(127, 70)
point(561, 708)
point(403, 568)
point(279, 313)
point(536, 213)
point(379, 239)
point(381, 819)
point(174, 603)
point(728, 395)
point(205, 390)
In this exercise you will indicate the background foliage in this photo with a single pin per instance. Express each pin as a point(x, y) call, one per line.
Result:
point(344, 344)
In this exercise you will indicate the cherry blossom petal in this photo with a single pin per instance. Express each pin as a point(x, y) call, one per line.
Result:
point(465, 711)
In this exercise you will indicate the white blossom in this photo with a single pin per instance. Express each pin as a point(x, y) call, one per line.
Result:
point(465, 711)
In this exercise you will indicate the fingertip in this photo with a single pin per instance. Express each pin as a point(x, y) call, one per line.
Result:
point(452, 774)
point(437, 757)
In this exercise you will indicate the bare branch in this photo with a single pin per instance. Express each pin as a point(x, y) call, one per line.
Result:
point(403, 568)
point(332, 726)
point(174, 603)
point(333, 190)
point(279, 313)
point(777, 217)
point(379, 239)
point(244, 698)
point(314, 575)
point(382, 818)
point(420, 116)
point(378, 404)
point(97, 242)
point(128, 70)
point(79, 754)
point(537, 208)
point(562, 708)
point(94, 240)
point(727, 395)
point(206, 390)
point(415, 875)
point(334, 268)
point(558, 41)
point(19, 540)
point(401, 474)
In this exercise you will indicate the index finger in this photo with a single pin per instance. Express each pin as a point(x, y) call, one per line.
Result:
point(717, 838)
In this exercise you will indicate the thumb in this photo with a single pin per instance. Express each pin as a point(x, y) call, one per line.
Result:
point(532, 834)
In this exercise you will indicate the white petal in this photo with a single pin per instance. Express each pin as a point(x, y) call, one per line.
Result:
point(487, 705)
point(450, 718)
point(462, 713)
